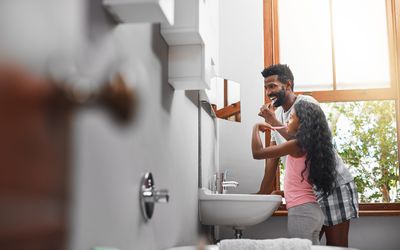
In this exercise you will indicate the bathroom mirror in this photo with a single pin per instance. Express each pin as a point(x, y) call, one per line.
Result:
point(224, 98)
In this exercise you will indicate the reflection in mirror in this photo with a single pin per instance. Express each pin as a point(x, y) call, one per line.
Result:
point(224, 97)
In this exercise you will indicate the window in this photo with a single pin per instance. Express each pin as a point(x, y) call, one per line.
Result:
point(335, 44)
point(365, 136)
point(345, 53)
point(224, 97)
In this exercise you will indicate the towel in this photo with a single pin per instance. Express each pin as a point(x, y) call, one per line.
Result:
point(275, 244)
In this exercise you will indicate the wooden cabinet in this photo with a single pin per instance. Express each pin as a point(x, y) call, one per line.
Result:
point(34, 159)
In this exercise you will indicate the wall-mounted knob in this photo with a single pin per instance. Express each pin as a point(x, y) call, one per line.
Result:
point(161, 196)
point(115, 96)
point(149, 196)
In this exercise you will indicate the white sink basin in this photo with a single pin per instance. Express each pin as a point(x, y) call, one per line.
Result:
point(236, 210)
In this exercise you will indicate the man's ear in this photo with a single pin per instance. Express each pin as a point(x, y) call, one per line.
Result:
point(289, 85)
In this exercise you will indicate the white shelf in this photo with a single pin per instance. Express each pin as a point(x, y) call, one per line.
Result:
point(136, 11)
point(188, 27)
point(189, 67)
point(193, 44)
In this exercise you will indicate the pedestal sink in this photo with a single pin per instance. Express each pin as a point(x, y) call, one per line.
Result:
point(236, 210)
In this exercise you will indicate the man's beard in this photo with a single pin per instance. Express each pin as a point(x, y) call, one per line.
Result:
point(280, 98)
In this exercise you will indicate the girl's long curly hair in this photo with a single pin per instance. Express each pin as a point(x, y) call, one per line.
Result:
point(315, 138)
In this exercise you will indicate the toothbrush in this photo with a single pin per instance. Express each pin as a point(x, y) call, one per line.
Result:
point(278, 127)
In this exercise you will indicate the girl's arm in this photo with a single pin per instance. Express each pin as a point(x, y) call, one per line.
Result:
point(275, 151)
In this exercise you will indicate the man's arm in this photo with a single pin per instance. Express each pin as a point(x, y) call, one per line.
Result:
point(279, 192)
point(267, 184)
point(283, 132)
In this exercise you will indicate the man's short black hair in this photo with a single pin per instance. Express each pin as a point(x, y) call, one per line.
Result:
point(282, 70)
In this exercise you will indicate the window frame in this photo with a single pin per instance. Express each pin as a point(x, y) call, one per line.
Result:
point(271, 56)
point(227, 111)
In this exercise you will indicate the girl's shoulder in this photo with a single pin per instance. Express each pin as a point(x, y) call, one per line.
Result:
point(296, 151)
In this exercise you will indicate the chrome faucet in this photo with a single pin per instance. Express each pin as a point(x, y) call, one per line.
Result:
point(220, 184)
point(149, 195)
point(229, 184)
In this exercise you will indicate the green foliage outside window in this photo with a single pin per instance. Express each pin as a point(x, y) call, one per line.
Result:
point(365, 136)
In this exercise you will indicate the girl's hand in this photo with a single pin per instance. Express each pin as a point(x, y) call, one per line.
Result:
point(263, 126)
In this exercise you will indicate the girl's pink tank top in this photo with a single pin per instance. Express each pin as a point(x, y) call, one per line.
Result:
point(296, 186)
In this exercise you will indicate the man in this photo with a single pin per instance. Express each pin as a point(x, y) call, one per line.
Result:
point(342, 204)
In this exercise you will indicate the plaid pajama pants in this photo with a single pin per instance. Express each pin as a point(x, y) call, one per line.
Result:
point(340, 205)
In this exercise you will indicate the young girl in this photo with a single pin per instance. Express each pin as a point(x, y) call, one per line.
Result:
point(310, 165)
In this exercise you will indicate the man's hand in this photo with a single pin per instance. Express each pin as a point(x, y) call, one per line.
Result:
point(267, 111)
point(278, 192)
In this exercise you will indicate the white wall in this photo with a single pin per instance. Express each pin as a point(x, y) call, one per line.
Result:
point(110, 160)
point(241, 57)
point(209, 134)
point(241, 60)
point(34, 32)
